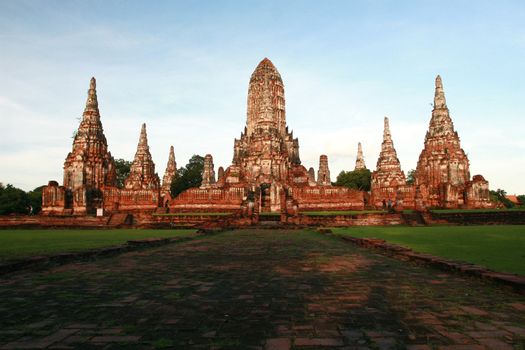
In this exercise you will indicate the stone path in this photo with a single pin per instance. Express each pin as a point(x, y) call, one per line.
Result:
point(256, 290)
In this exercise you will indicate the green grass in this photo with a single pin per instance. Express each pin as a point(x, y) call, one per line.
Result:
point(460, 211)
point(269, 213)
point(501, 248)
point(15, 244)
point(342, 212)
point(194, 214)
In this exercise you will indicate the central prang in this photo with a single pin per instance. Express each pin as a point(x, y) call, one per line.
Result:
point(266, 152)
point(266, 164)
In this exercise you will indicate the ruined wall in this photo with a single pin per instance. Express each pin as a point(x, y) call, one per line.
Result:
point(208, 199)
point(327, 198)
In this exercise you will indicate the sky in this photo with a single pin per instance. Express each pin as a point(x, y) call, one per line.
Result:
point(183, 68)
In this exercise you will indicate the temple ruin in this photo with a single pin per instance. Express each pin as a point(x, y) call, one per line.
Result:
point(266, 174)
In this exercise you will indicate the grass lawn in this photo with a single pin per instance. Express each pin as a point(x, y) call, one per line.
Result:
point(193, 214)
point(500, 248)
point(342, 212)
point(461, 211)
point(15, 244)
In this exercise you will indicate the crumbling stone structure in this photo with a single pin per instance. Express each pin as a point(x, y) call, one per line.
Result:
point(208, 173)
point(142, 173)
point(442, 177)
point(442, 173)
point(90, 176)
point(169, 175)
point(266, 172)
point(388, 181)
point(88, 168)
point(323, 174)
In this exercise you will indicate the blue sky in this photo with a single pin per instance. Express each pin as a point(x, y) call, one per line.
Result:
point(183, 68)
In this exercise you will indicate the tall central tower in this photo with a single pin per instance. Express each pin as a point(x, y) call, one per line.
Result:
point(266, 100)
point(266, 151)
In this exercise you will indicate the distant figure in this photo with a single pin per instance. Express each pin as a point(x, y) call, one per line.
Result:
point(30, 209)
point(384, 204)
point(389, 205)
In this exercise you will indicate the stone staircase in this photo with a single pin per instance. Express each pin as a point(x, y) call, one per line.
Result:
point(161, 210)
point(414, 219)
point(270, 222)
point(120, 220)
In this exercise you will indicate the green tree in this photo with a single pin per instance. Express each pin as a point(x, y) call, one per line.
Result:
point(521, 199)
point(357, 179)
point(35, 199)
point(411, 177)
point(13, 200)
point(188, 176)
point(500, 196)
point(122, 168)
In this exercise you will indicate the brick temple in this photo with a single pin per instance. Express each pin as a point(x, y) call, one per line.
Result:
point(266, 174)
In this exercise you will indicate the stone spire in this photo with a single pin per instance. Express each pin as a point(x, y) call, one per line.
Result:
point(387, 136)
point(442, 161)
point(388, 176)
point(91, 109)
point(142, 173)
point(311, 174)
point(90, 163)
point(169, 174)
point(441, 123)
point(266, 99)
point(360, 160)
point(388, 162)
point(439, 95)
point(220, 173)
point(323, 174)
point(208, 172)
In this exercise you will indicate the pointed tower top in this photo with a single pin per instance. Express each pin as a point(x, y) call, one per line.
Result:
point(388, 167)
point(266, 103)
point(142, 173)
point(265, 62)
point(386, 131)
point(169, 174)
point(266, 69)
point(171, 157)
point(92, 102)
point(439, 96)
point(360, 160)
point(143, 140)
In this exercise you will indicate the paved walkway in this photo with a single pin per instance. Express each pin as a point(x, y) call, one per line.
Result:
point(256, 290)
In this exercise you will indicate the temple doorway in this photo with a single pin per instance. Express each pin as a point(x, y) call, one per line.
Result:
point(265, 198)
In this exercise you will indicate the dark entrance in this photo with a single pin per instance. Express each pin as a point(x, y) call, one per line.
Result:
point(265, 198)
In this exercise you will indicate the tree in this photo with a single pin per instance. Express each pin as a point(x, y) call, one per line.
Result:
point(358, 179)
point(122, 168)
point(411, 177)
point(13, 200)
point(188, 176)
point(521, 199)
point(500, 196)
point(35, 199)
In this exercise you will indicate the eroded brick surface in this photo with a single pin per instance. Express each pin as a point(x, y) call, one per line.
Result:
point(256, 290)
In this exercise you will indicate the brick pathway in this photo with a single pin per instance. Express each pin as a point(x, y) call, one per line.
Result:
point(256, 290)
